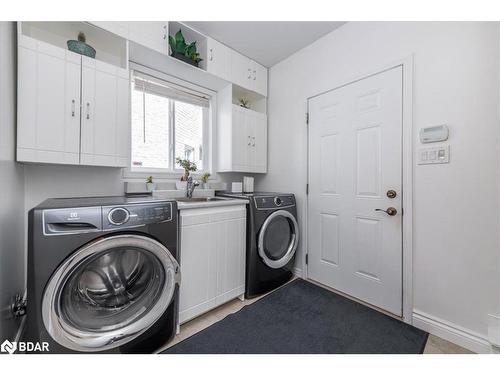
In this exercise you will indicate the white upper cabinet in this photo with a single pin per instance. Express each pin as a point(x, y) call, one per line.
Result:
point(152, 34)
point(48, 105)
point(218, 61)
point(243, 141)
point(71, 109)
point(105, 126)
point(248, 73)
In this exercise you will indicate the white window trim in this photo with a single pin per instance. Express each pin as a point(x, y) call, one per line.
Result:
point(133, 175)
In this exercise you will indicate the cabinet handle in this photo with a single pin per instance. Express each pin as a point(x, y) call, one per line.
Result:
point(253, 144)
point(249, 141)
point(249, 73)
point(211, 54)
point(165, 33)
point(88, 111)
point(73, 108)
point(254, 75)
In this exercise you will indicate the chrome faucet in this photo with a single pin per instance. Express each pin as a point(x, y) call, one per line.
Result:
point(190, 187)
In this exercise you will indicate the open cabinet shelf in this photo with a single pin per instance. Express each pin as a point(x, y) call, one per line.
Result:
point(110, 48)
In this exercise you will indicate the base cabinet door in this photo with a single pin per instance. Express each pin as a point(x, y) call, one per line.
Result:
point(212, 258)
point(105, 114)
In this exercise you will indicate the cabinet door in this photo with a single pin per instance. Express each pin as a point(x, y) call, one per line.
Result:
point(105, 114)
point(241, 71)
point(218, 59)
point(259, 77)
point(152, 34)
point(260, 144)
point(230, 245)
point(240, 140)
point(250, 120)
point(48, 103)
point(198, 265)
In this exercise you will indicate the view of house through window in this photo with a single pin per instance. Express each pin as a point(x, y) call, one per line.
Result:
point(166, 123)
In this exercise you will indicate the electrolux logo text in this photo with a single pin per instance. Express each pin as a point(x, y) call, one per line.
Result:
point(22, 346)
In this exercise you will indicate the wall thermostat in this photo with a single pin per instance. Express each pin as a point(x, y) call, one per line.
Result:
point(434, 134)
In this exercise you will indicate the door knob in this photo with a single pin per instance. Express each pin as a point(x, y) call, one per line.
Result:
point(391, 211)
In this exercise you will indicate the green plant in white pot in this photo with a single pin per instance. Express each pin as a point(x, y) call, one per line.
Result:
point(204, 180)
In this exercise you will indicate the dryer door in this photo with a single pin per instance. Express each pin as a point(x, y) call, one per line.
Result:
point(109, 292)
point(278, 239)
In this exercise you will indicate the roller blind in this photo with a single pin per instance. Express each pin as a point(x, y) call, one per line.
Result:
point(147, 83)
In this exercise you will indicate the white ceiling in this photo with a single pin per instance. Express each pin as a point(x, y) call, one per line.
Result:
point(265, 42)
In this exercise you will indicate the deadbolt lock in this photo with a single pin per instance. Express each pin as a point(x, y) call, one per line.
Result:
point(391, 194)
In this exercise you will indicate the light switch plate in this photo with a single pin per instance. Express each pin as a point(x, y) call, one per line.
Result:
point(434, 155)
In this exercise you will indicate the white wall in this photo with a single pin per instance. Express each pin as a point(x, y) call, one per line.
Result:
point(456, 205)
point(11, 188)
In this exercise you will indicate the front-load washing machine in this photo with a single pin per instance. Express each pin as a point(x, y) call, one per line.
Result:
point(272, 240)
point(103, 274)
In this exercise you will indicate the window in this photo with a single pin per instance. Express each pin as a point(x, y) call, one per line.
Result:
point(168, 121)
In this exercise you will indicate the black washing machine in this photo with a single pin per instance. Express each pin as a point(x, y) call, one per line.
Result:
point(272, 240)
point(103, 274)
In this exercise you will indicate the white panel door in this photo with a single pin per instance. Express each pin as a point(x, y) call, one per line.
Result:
point(355, 154)
point(48, 103)
point(152, 34)
point(105, 114)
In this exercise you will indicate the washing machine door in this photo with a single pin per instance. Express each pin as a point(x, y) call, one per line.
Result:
point(109, 292)
point(278, 239)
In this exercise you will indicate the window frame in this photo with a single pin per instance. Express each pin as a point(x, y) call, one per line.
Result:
point(133, 174)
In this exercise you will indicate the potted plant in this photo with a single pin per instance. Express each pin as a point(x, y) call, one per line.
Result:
point(244, 102)
point(188, 167)
point(204, 180)
point(183, 51)
point(150, 185)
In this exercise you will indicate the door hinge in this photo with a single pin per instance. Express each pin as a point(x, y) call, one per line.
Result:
point(307, 118)
point(307, 189)
point(307, 258)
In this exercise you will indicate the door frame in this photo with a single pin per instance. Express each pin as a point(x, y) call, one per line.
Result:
point(406, 183)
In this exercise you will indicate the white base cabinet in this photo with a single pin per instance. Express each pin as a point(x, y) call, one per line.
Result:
point(212, 258)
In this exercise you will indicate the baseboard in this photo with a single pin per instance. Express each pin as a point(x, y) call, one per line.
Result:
point(297, 272)
point(451, 332)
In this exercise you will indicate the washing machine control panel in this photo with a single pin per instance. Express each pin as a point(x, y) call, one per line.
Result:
point(274, 202)
point(135, 215)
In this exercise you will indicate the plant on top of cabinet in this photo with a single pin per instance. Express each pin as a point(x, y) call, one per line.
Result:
point(244, 102)
point(79, 46)
point(183, 51)
point(188, 167)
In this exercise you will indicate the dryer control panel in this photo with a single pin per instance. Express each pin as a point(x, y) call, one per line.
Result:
point(273, 202)
point(134, 215)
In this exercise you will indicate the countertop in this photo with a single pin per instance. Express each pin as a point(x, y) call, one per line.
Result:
point(208, 204)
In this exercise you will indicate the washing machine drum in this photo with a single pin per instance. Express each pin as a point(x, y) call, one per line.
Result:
point(109, 292)
point(278, 239)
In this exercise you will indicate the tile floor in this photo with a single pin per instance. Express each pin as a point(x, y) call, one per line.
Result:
point(435, 345)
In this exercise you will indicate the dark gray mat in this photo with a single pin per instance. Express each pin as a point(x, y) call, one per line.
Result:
point(304, 318)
